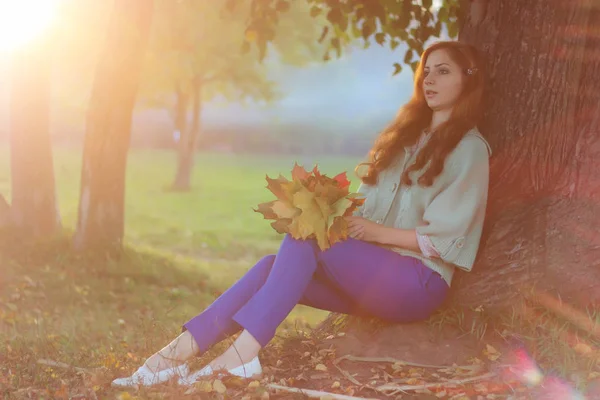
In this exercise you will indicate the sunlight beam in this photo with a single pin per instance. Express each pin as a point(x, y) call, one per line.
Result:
point(23, 20)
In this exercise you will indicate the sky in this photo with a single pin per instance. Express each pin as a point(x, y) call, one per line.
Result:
point(351, 93)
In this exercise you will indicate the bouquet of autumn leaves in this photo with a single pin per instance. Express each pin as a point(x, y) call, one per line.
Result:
point(311, 205)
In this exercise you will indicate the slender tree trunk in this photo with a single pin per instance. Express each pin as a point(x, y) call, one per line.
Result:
point(34, 208)
point(188, 144)
point(181, 111)
point(544, 126)
point(101, 205)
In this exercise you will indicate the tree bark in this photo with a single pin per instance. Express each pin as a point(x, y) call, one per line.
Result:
point(543, 122)
point(101, 206)
point(34, 209)
point(188, 143)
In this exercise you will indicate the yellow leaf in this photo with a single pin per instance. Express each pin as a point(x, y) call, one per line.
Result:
point(335, 385)
point(582, 348)
point(329, 192)
point(283, 209)
point(321, 367)
point(124, 396)
point(441, 394)
point(253, 385)
point(323, 206)
point(480, 387)
point(310, 221)
point(491, 349)
point(491, 352)
point(234, 381)
point(219, 387)
point(203, 386)
point(251, 35)
point(275, 186)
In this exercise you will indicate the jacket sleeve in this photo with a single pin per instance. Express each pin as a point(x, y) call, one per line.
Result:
point(454, 219)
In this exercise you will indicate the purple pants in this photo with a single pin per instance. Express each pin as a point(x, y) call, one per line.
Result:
point(351, 277)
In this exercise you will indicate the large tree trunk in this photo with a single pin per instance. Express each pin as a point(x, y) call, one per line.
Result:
point(188, 143)
point(101, 205)
point(543, 122)
point(34, 208)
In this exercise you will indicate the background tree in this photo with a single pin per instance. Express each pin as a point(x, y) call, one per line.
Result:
point(195, 56)
point(542, 121)
point(101, 206)
point(34, 208)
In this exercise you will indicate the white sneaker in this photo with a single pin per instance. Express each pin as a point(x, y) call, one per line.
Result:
point(145, 377)
point(247, 370)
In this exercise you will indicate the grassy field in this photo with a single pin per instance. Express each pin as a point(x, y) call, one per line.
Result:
point(183, 249)
point(186, 249)
point(214, 222)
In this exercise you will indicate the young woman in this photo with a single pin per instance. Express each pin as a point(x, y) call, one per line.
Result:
point(425, 184)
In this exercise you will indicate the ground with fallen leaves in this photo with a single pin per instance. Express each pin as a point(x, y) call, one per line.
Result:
point(69, 324)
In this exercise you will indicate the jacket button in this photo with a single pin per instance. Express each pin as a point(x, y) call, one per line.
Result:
point(460, 243)
point(378, 221)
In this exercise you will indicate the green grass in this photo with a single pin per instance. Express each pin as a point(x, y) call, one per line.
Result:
point(182, 250)
point(214, 220)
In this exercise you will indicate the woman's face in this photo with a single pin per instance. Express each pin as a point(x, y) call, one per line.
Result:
point(443, 81)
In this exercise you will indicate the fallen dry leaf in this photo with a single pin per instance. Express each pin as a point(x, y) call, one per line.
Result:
point(124, 396)
point(491, 353)
point(203, 386)
point(218, 386)
point(321, 367)
point(582, 348)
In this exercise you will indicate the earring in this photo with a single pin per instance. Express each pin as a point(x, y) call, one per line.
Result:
point(471, 71)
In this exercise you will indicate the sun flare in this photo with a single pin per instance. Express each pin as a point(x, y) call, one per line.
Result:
point(23, 20)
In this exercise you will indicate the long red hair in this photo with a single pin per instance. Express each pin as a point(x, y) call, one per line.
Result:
point(415, 116)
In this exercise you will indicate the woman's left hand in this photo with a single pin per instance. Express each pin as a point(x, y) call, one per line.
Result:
point(363, 229)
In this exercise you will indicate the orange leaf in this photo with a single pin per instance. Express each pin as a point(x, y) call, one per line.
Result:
point(316, 172)
point(299, 173)
point(266, 209)
point(283, 209)
point(275, 186)
point(282, 225)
